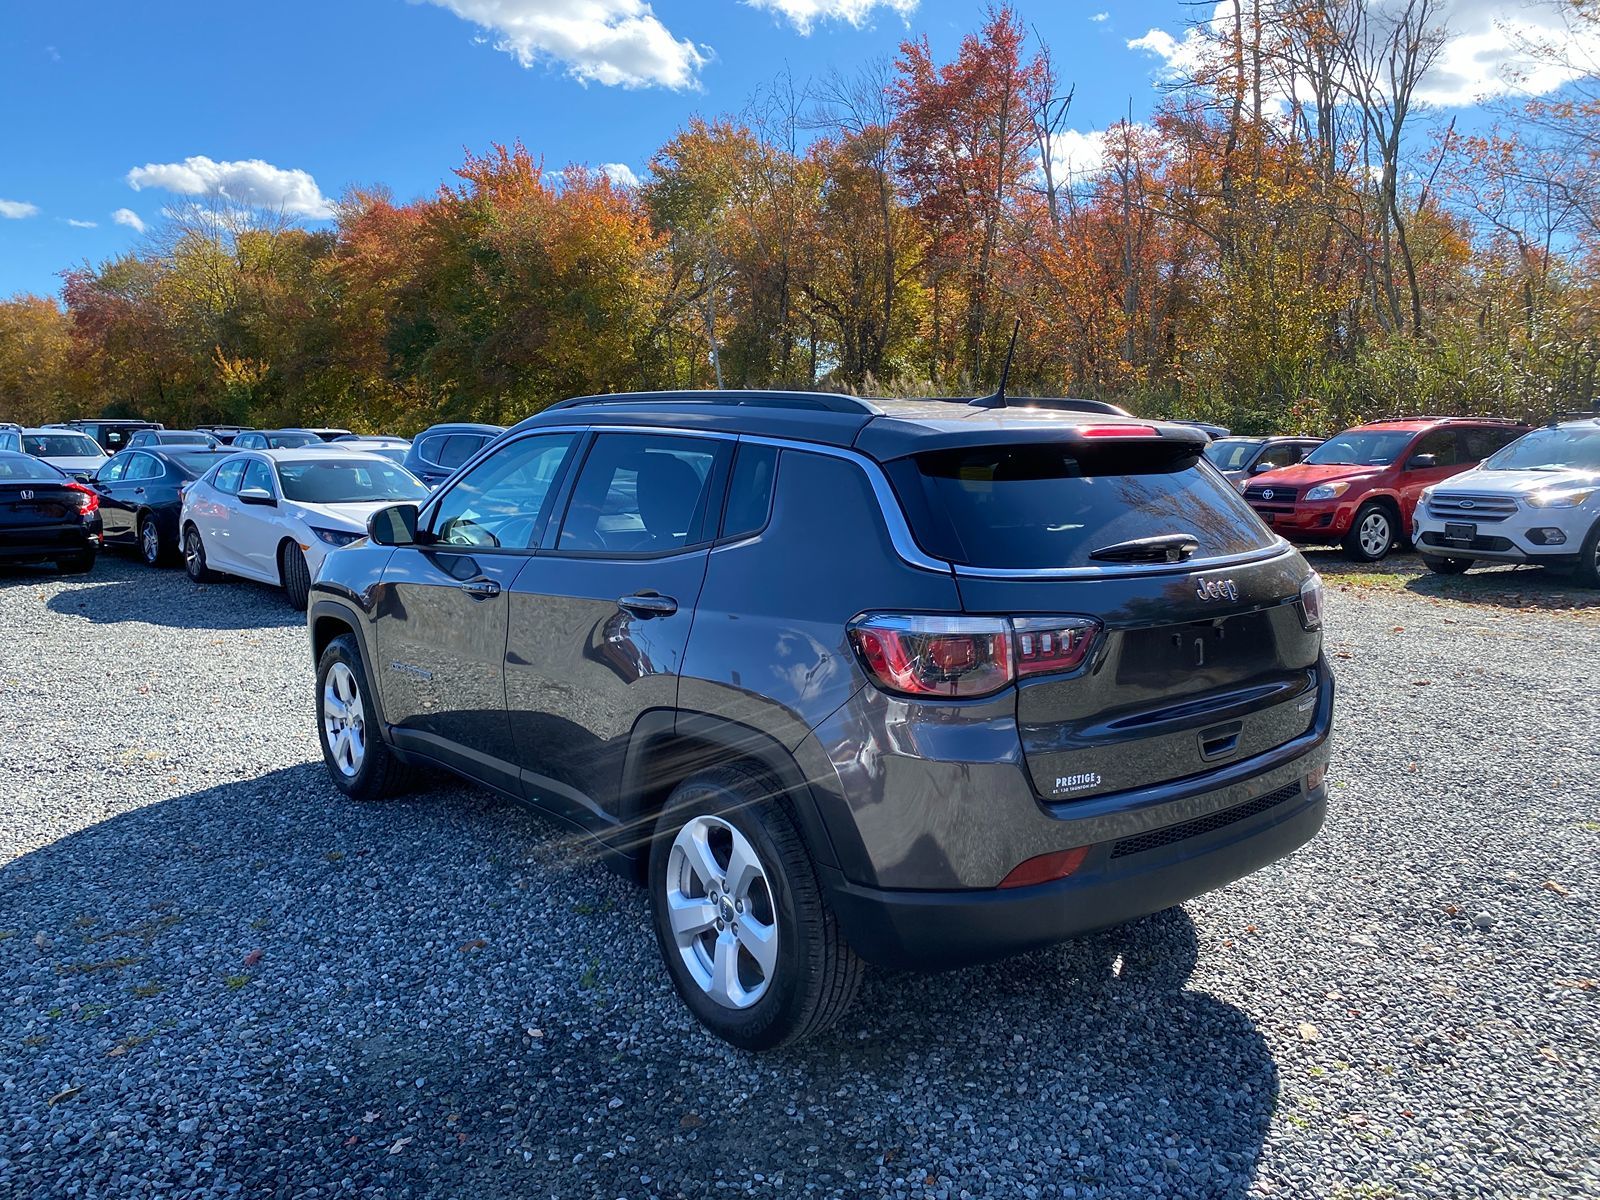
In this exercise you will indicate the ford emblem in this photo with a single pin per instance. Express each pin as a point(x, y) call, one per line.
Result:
point(1466, 504)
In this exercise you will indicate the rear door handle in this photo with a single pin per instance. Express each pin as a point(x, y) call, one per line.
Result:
point(648, 604)
point(481, 589)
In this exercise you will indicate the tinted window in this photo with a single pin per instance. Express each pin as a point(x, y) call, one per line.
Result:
point(142, 466)
point(1039, 506)
point(10, 441)
point(27, 468)
point(1480, 443)
point(291, 441)
point(749, 490)
point(1361, 448)
point(501, 502)
point(113, 470)
point(640, 494)
point(250, 441)
point(1231, 454)
point(428, 449)
point(457, 448)
point(181, 439)
point(1441, 443)
point(190, 463)
point(61, 445)
point(228, 477)
point(348, 481)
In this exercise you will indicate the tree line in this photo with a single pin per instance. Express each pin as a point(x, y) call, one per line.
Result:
point(1292, 241)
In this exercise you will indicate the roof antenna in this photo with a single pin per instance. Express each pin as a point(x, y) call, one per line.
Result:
point(998, 398)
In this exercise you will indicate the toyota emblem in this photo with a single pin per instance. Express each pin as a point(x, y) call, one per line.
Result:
point(1267, 494)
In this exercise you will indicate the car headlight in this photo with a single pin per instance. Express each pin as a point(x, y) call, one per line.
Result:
point(1560, 499)
point(1425, 495)
point(1328, 491)
point(337, 537)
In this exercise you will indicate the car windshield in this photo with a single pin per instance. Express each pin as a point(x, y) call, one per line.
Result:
point(185, 439)
point(61, 445)
point(1361, 448)
point(25, 468)
point(348, 481)
point(291, 441)
point(1231, 454)
point(1550, 450)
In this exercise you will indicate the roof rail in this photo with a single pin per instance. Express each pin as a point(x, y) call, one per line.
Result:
point(1443, 417)
point(1062, 403)
point(755, 398)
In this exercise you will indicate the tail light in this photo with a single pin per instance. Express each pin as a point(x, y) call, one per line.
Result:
point(1311, 602)
point(1117, 431)
point(966, 657)
point(87, 499)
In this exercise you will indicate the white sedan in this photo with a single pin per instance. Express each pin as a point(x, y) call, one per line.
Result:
point(273, 515)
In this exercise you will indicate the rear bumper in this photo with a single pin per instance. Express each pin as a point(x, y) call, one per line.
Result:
point(32, 545)
point(936, 930)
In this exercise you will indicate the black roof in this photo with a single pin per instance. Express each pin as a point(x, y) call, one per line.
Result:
point(880, 428)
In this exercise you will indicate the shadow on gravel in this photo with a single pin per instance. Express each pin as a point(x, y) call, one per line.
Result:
point(1512, 587)
point(148, 597)
point(266, 986)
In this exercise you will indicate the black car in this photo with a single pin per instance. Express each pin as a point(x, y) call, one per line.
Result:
point(911, 683)
point(45, 516)
point(141, 494)
point(274, 439)
point(172, 437)
point(440, 449)
point(113, 435)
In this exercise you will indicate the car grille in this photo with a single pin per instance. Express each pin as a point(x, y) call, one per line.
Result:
point(1157, 838)
point(1468, 506)
point(1279, 495)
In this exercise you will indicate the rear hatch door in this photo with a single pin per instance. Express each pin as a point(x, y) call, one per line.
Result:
point(1204, 658)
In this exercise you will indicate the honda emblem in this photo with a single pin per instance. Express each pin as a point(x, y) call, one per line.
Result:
point(26, 494)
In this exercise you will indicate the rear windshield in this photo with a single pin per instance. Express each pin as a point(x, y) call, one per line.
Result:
point(1030, 507)
point(15, 467)
point(291, 441)
point(185, 439)
point(347, 481)
point(61, 445)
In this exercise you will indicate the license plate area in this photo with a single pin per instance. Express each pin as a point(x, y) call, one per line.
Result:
point(1459, 531)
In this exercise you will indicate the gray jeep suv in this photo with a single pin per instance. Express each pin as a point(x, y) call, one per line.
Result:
point(908, 683)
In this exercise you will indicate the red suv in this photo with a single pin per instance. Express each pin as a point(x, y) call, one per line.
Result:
point(1359, 488)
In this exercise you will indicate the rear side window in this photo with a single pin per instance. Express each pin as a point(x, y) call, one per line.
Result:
point(142, 466)
point(749, 490)
point(1032, 507)
point(457, 448)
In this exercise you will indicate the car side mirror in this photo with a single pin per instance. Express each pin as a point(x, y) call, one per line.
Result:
point(1260, 467)
point(393, 526)
point(255, 495)
point(1421, 462)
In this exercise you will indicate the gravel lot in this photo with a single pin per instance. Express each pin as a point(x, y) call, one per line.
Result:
point(219, 977)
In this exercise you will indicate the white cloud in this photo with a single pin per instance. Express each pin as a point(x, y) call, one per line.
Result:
point(620, 173)
point(17, 209)
point(614, 42)
point(249, 181)
point(1077, 156)
point(126, 216)
point(805, 14)
point(1484, 55)
point(77, 224)
point(1100, 16)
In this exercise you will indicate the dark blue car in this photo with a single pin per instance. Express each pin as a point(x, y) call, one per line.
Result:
point(141, 492)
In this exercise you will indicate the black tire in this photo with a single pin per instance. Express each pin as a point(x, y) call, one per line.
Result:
point(1587, 572)
point(816, 974)
point(154, 549)
point(1373, 533)
point(76, 564)
point(194, 556)
point(1447, 566)
point(378, 774)
point(296, 575)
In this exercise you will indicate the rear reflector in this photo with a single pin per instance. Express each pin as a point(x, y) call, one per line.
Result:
point(1046, 867)
point(966, 657)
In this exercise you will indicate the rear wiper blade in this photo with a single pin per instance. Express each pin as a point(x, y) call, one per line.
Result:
point(1165, 547)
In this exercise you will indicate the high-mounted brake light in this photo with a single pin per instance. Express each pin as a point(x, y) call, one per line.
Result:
point(87, 499)
point(966, 657)
point(1118, 431)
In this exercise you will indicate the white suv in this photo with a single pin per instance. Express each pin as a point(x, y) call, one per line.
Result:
point(1536, 501)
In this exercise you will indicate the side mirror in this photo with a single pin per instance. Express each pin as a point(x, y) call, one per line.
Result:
point(1260, 467)
point(255, 495)
point(393, 526)
point(1421, 462)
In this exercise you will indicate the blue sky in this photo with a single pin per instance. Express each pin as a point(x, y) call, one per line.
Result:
point(302, 98)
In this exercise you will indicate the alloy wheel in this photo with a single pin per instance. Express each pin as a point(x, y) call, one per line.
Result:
point(344, 720)
point(150, 542)
point(720, 906)
point(1375, 534)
